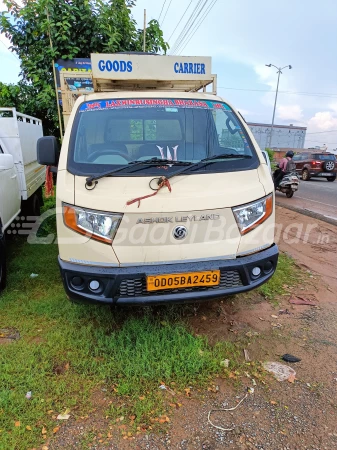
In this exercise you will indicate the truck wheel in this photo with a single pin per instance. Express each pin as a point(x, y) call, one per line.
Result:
point(36, 207)
point(32, 207)
point(331, 178)
point(305, 175)
point(2, 262)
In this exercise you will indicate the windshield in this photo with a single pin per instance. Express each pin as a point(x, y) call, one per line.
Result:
point(108, 134)
point(325, 157)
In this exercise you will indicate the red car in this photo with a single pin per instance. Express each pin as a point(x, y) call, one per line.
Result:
point(316, 164)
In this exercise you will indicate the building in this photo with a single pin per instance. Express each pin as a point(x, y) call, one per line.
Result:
point(284, 136)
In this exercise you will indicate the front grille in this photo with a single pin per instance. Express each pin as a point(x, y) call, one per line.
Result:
point(136, 287)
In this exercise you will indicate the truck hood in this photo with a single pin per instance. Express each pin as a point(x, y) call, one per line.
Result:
point(200, 204)
point(189, 192)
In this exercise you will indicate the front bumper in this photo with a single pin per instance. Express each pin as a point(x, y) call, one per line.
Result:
point(127, 285)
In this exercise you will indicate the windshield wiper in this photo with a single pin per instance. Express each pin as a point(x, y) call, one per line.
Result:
point(165, 162)
point(225, 155)
point(190, 165)
point(161, 163)
point(214, 158)
point(92, 181)
point(207, 160)
point(164, 180)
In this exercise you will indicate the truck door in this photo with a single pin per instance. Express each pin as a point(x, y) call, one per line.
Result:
point(10, 196)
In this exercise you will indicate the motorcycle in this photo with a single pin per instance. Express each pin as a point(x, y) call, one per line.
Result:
point(289, 183)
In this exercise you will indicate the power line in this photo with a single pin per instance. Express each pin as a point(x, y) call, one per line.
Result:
point(185, 29)
point(198, 24)
point(161, 10)
point(243, 89)
point(191, 29)
point(330, 143)
point(309, 94)
point(185, 26)
point(179, 21)
point(13, 54)
point(323, 132)
point(166, 13)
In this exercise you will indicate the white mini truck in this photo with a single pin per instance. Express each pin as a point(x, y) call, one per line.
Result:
point(163, 193)
point(21, 177)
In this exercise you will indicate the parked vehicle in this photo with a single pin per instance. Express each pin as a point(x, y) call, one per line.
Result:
point(316, 164)
point(21, 177)
point(164, 192)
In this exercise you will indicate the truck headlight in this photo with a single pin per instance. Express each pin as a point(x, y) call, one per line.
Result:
point(251, 215)
point(97, 225)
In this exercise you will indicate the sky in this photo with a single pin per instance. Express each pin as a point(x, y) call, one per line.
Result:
point(242, 36)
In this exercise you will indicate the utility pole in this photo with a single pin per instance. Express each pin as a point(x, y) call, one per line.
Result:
point(55, 83)
point(279, 71)
point(144, 37)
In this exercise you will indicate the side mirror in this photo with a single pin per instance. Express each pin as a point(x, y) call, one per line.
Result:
point(48, 151)
point(6, 161)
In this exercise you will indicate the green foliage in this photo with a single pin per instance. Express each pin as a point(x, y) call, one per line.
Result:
point(287, 274)
point(66, 352)
point(77, 29)
point(26, 99)
point(154, 38)
point(270, 154)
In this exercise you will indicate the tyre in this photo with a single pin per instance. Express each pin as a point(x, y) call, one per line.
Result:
point(3, 271)
point(289, 194)
point(328, 166)
point(32, 206)
point(35, 205)
point(305, 175)
point(331, 178)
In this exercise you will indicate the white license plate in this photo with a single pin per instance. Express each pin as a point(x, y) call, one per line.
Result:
point(326, 174)
point(294, 186)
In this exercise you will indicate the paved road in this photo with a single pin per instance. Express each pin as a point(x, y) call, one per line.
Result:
point(316, 195)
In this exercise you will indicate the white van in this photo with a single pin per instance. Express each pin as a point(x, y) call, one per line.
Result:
point(21, 177)
point(163, 194)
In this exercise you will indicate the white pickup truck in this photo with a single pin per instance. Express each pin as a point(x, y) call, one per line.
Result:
point(21, 177)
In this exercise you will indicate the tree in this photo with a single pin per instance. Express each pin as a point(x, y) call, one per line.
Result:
point(76, 29)
point(270, 154)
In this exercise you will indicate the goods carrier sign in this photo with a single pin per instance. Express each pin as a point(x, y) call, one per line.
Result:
point(150, 67)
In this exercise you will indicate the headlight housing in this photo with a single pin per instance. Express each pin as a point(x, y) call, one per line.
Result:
point(97, 225)
point(251, 215)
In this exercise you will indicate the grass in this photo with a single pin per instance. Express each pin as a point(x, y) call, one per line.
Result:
point(286, 276)
point(68, 353)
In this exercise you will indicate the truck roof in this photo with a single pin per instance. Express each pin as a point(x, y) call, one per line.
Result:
point(127, 75)
point(129, 71)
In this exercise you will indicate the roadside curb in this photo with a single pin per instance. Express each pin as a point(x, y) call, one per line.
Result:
point(308, 213)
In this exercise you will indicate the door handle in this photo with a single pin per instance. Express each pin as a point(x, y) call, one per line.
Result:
point(14, 176)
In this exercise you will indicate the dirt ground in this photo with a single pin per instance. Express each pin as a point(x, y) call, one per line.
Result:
point(278, 415)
